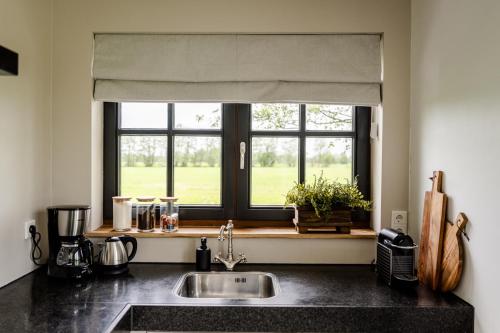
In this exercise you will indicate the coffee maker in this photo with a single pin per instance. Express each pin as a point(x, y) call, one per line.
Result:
point(70, 253)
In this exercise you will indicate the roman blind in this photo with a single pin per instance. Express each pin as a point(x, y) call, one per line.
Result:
point(240, 68)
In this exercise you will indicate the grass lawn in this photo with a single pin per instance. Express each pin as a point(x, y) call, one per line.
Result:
point(202, 185)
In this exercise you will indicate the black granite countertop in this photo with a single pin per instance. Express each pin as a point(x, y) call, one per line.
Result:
point(322, 298)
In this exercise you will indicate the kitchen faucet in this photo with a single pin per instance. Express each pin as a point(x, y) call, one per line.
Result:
point(229, 262)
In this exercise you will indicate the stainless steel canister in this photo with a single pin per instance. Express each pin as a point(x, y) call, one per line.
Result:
point(72, 220)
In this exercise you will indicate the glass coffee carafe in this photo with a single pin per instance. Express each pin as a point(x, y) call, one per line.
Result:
point(74, 254)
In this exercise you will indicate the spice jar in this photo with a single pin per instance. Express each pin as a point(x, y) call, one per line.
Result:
point(122, 213)
point(145, 214)
point(169, 214)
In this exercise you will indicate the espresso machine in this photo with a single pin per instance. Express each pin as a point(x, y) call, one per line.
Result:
point(70, 253)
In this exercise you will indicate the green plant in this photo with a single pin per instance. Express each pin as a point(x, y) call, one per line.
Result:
point(326, 196)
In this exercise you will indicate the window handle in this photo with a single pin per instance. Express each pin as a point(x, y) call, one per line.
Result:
point(242, 155)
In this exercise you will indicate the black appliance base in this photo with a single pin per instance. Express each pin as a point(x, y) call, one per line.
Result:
point(113, 269)
point(74, 273)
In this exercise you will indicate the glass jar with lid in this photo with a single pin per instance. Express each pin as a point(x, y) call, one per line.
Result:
point(145, 214)
point(122, 213)
point(169, 214)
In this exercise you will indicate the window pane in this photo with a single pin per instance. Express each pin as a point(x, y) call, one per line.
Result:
point(274, 169)
point(330, 156)
point(143, 166)
point(275, 117)
point(198, 115)
point(197, 169)
point(144, 115)
point(324, 117)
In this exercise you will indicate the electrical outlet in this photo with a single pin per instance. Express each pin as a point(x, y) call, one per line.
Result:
point(399, 220)
point(27, 226)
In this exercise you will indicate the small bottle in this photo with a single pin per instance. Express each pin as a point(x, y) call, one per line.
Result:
point(203, 256)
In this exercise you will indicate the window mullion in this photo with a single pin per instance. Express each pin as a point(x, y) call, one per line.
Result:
point(111, 154)
point(302, 144)
point(243, 175)
point(170, 151)
point(194, 132)
point(361, 152)
point(229, 167)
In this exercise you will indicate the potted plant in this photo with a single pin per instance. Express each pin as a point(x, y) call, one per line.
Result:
point(325, 204)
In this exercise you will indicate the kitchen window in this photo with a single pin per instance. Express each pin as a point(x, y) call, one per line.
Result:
point(231, 160)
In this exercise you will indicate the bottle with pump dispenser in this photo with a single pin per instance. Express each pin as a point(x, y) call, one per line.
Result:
point(203, 256)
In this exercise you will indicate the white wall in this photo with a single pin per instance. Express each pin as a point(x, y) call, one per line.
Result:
point(76, 120)
point(25, 121)
point(259, 250)
point(455, 127)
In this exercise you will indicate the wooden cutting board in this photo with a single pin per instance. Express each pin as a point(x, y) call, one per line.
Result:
point(424, 239)
point(431, 242)
point(453, 254)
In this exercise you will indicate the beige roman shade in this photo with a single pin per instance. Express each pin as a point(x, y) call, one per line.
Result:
point(238, 68)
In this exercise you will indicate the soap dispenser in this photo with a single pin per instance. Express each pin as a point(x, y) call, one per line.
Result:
point(203, 256)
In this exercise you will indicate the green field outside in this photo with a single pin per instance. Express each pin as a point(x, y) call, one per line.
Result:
point(202, 184)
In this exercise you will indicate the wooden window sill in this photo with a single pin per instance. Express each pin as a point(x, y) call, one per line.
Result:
point(211, 232)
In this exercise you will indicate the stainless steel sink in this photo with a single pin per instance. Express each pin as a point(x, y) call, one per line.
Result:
point(236, 285)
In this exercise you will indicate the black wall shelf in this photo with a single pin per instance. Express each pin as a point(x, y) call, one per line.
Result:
point(9, 62)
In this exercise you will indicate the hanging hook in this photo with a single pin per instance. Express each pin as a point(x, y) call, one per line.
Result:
point(464, 233)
